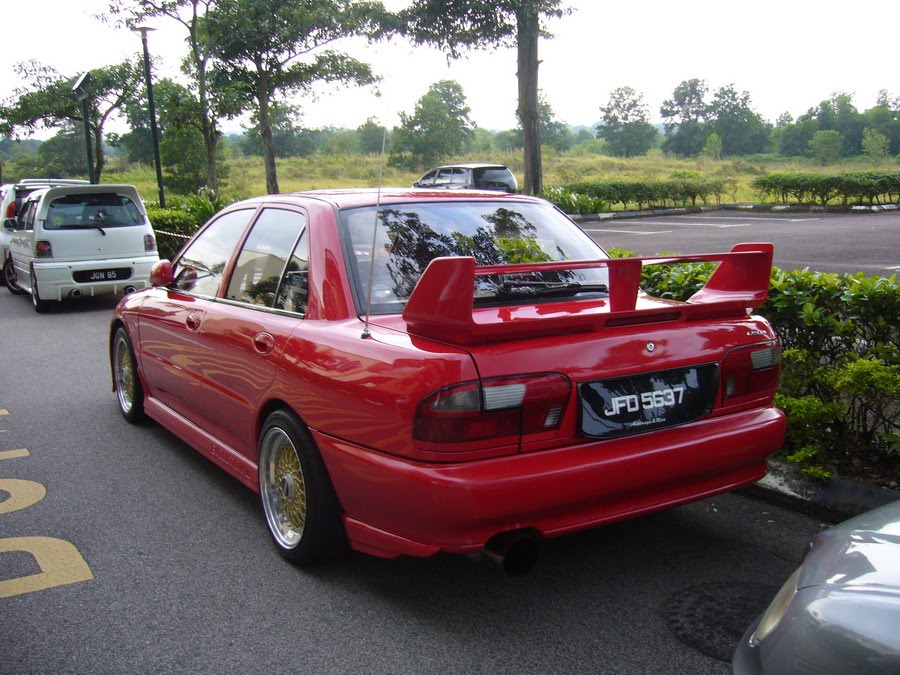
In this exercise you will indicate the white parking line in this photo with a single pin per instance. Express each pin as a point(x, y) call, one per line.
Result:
point(681, 223)
point(639, 234)
point(895, 267)
point(786, 220)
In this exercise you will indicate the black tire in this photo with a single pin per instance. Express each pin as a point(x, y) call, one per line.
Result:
point(301, 508)
point(129, 391)
point(40, 306)
point(11, 279)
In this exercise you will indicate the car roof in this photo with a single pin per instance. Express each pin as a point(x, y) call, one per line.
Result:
point(353, 197)
point(472, 165)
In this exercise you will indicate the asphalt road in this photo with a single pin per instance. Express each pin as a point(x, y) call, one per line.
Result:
point(122, 550)
point(823, 242)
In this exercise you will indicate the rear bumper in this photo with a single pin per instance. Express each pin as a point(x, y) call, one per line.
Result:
point(396, 507)
point(55, 280)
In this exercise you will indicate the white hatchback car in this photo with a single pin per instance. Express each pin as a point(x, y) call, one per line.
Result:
point(79, 240)
point(12, 195)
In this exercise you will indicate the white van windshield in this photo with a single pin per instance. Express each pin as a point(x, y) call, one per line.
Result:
point(79, 211)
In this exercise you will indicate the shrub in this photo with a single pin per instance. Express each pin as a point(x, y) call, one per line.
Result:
point(840, 383)
point(173, 228)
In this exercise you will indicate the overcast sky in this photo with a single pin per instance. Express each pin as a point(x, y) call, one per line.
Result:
point(788, 54)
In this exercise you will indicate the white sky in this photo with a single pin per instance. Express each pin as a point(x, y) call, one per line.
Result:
point(788, 54)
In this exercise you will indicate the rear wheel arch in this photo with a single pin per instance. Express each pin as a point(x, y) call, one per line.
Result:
point(319, 534)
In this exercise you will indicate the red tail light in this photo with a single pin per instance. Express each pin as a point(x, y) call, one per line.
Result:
point(503, 409)
point(43, 249)
point(149, 242)
point(11, 210)
point(748, 372)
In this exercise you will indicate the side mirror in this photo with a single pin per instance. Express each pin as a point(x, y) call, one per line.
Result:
point(161, 274)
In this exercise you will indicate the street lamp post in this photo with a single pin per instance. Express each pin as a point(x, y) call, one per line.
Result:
point(154, 131)
point(80, 89)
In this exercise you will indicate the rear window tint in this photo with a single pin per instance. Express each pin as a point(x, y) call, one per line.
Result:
point(92, 210)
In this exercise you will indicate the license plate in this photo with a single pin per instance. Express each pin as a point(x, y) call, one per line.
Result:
point(116, 274)
point(627, 405)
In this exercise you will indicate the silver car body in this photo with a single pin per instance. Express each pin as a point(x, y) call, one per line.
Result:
point(840, 611)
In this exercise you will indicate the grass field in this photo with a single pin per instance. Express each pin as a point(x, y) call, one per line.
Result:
point(246, 177)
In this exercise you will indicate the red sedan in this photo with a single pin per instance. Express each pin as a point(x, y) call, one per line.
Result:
point(404, 372)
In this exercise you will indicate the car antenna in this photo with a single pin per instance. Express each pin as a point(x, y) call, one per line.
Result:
point(366, 333)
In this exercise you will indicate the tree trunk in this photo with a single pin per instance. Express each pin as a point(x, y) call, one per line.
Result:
point(527, 30)
point(99, 156)
point(209, 130)
point(265, 132)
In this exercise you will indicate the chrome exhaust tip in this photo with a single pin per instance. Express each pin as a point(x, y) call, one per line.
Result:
point(515, 552)
point(129, 289)
point(75, 293)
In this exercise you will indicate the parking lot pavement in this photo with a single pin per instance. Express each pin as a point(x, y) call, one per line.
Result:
point(822, 242)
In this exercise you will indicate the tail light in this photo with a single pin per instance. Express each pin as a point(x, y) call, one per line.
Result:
point(149, 242)
point(10, 210)
point(501, 409)
point(750, 371)
point(43, 249)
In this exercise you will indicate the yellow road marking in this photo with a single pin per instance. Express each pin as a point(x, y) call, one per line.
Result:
point(22, 494)
point(3, 411)
point(59, 561)
point(13, 454)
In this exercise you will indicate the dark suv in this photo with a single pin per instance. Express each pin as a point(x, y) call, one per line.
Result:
point(470, 177)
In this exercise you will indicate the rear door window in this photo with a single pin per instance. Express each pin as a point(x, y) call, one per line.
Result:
point(264, 258)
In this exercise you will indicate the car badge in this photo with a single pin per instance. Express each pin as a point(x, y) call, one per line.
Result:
point(650, 347)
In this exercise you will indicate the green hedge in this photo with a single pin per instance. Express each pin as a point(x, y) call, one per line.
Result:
point(598, 196)
point(176, 224)
point(840, 384)
point(859, 187)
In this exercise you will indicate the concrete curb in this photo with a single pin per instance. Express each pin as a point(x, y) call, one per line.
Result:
point(760, 208)
point(832, 500)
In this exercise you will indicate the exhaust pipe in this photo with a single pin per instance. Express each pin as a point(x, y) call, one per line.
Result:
point(128, 289)
point(75, 293)
point(515, 552)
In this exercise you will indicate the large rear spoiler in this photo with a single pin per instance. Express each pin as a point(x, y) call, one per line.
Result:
point(441, 305)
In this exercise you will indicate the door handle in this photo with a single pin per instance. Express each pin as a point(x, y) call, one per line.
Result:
point(263, 343)
point(192, 321)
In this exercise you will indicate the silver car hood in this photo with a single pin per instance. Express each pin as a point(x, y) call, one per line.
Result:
point(863, 552)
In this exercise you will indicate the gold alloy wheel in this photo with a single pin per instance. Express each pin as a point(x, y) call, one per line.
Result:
point(124, 367)
point(283, 487)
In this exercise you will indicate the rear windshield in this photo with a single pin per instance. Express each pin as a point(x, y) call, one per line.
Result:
point(494, 178)
point(92, 210)
point(409, 236)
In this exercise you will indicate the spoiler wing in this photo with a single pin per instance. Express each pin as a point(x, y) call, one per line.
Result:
point(441, 305)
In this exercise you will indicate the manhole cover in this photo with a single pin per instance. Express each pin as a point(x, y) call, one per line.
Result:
point(712, 618)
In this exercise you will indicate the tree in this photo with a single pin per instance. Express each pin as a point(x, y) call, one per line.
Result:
point(264, 50)
point(741, 129)
point(372, 137)
point(210, 103)
point(625, 124)
point(683, 117)
point(63, 154)
point(884, 119)
point(456, 25)
point(794, 138)
point(554, 134)
point(713, 146)
point(49, 101)
point(839, 114)
point(875, 145)
point(827, 146)
point(288, 140)
point(438, 128)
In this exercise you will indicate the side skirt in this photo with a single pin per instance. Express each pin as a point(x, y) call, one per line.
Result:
point(209, 446)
